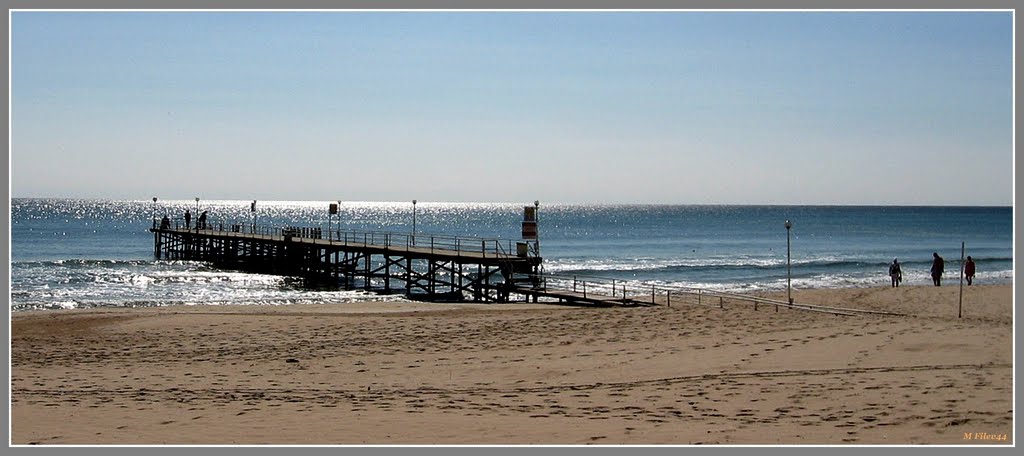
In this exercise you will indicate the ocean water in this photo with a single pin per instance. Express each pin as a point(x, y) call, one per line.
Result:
point(68, 253)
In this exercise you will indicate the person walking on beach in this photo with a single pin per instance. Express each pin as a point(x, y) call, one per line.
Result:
point(969, 270)
point(896, 273)
point(188, 219)
point(938, 267)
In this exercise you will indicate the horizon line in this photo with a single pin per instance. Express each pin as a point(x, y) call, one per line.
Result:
point(557, 203)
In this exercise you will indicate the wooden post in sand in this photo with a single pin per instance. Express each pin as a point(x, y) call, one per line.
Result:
point(789, 270)
point(960, 308)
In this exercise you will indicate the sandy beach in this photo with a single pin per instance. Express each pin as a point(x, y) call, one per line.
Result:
point(522, 374)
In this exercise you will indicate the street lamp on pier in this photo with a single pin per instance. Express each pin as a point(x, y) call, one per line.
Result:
point(197, 214)
point(331, 212)
point(536, 218)
point(252, 208)
point(154, 212)
point(413, 222)
point(339, 218)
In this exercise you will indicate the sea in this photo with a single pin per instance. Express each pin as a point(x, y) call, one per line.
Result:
point(87, 253)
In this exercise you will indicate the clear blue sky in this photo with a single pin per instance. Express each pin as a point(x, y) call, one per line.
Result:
point(598, 107)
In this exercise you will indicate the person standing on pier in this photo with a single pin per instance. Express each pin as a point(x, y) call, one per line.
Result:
point(188, 219)
point(201, 222)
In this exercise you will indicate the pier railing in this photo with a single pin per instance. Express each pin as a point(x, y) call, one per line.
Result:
point(433, 243)
point(646, 293)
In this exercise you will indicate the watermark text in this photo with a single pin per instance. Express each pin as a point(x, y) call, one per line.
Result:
point(985, 437)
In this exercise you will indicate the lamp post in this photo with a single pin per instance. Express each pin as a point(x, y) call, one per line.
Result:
point(252, 208)
point(413, 222)
point(333, 210)
point(197, 214)
point(789, 269)
point(154, 212)
point(536, 218)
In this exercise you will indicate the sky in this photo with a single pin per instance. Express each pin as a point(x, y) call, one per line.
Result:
point(671, 107)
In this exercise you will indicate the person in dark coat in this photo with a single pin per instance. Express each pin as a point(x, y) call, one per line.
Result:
point(938, 267)
point(969, 270)
point(188, 219)
point(201, 223)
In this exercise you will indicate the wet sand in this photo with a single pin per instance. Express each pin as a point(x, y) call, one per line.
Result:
point(522, 374)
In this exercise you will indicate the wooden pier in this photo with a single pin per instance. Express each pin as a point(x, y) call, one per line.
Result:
point(424, 266)
point(429, 267)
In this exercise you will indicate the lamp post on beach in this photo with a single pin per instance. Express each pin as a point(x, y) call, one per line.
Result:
point(789, 270)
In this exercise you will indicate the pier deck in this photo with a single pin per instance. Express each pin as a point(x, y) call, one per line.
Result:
point(464, 249)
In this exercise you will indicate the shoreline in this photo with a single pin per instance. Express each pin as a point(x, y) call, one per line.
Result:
point(358, 304)
point(395, 373)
